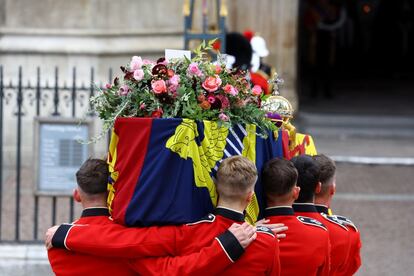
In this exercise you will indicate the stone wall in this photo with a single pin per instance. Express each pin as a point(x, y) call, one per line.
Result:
point(104, 34)
point(276, 21)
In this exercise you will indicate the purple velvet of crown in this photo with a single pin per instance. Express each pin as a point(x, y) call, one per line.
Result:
point(275, 117)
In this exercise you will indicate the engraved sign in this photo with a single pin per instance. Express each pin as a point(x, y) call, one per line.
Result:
point(60, 155)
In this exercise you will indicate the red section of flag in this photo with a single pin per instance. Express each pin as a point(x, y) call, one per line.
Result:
point(132, 140)
point(285, 144)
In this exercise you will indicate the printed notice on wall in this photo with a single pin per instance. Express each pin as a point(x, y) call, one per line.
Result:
point(60, 155)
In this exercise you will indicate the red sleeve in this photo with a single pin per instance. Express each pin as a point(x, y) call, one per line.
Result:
point(115, 240)
point(275, 261)
point(326, 267)
point(209, 261)
point(355, 255)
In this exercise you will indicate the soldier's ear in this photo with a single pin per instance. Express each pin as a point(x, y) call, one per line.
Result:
point(76, 195)
point(250, 196)
point(332, 189)
point(318, 188)
point(296, 191)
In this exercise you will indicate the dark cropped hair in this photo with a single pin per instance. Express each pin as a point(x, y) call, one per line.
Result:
point(279, 176)
point(327, 168)
point(308, 177)
point(92, 176)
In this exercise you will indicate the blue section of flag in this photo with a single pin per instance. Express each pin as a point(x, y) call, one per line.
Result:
point(165, 192)
point(266, 149)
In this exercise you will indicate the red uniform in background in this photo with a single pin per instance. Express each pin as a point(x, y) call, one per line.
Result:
point(261, 256)
point(65, 262)
point(306, 248)
point(354, 258)
point(217, 252)
point(338, 235)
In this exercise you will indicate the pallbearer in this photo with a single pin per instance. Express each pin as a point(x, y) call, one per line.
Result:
point(308, 181)
point(323, 201)
point(305, 250)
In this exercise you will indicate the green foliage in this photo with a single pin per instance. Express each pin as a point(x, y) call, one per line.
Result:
point(182, 88)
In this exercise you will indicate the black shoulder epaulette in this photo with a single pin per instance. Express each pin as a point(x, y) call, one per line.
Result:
point(265, 230)
point(312, 222)
point(334, 220)
point(347, 221)
point(209, 218)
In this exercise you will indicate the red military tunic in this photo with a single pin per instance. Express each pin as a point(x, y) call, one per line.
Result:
point(65, 262)
point(306, 248)
point(119, 241)
point(261, 256)
point(338, 236)
point(354, 258)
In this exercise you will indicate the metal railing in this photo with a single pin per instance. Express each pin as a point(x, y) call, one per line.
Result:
point(36, 97)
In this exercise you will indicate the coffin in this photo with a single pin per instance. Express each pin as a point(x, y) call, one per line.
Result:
point(162, 170)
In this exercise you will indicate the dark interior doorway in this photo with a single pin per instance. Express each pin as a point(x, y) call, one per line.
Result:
point(356, 56)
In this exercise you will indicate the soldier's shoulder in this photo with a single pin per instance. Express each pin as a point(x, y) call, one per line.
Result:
point(312, 222)
point(347, 222)
point(334, 220)
point(265, 231)
point(210, 218)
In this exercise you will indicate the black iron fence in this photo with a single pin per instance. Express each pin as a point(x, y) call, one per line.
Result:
point(27, 101)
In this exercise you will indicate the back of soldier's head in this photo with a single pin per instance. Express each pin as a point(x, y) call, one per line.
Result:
point(279, 176)
point(308, 177)
point(92, 177)
point(236, 177)
point(327, 170)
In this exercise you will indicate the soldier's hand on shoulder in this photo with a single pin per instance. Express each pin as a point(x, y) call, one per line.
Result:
point(277, 228)
point(49, 235)
point(244, 233)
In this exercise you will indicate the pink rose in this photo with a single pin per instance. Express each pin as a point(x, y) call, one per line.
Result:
point(257, 90)
point(108, 86)
point(139, 74)
point(136, 63)
point(211, 84)
point(173, 83)
point(230, 89)
point(142, 106)
point(175, 80)
point(223, 117)
point(150, 64)
point(218, 69)
point(158, 86)
point(124, 90)
point(193, 70)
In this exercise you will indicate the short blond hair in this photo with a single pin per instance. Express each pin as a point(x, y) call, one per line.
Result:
point(236, 177)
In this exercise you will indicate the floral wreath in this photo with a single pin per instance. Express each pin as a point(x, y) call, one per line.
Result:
point(196, 89)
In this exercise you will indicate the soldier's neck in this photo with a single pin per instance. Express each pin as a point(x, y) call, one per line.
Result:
point(275, 201)
point(236, 206)
point(323, 201)
point(94, 204)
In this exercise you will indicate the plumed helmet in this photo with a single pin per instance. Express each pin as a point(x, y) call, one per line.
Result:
point(238, 46)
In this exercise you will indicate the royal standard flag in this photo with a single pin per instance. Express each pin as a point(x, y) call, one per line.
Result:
point(163, 170)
